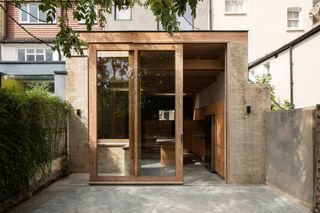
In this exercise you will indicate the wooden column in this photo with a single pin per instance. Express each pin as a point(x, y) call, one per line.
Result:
point(92, 126)
point(179, 112)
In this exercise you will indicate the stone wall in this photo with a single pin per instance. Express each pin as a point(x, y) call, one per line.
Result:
point(289, 148)
point(245, 131)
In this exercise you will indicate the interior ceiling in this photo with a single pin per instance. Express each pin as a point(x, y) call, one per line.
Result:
point(202, 64)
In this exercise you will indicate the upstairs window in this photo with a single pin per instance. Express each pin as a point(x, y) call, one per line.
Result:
point(31, 14)
point(294, 18)
point(124, 14)
point(37, 55)
point(234, 6)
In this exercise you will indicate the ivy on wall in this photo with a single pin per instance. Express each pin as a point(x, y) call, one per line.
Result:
point(31, 123)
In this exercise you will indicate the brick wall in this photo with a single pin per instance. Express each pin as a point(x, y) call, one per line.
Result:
point(40, 30)
point(245, 132)
point(77, 95)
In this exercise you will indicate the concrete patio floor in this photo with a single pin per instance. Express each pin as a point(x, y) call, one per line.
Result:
point(73, 194)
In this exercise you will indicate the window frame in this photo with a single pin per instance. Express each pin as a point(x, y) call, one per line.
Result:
point(115, 14)
point(35, 54)
point(300, 24)
point(38, 22)
point(244, 12)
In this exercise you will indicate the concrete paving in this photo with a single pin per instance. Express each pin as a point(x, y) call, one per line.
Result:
point(73, 194)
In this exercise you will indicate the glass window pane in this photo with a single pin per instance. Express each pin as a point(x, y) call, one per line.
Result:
point(34, 12)
point(21, 55)
point(42, 17)
point(123, 14)
point(113, 76)
point(49, 55)
point(39, 57)
point(30, 51)
point(24, 15)
point(39, 51)
point(157, 104)
point(113, 100)
point(30, 57)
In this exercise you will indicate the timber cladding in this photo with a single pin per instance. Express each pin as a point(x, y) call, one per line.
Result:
point(244, 133)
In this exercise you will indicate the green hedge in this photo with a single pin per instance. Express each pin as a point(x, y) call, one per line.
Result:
point(30, 126)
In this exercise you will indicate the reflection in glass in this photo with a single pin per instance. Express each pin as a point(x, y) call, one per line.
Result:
point(157, 143)
point(113, 75)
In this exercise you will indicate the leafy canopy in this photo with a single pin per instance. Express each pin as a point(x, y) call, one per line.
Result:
point(94, 11)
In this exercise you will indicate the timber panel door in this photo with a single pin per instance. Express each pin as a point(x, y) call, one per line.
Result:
point(135, 113)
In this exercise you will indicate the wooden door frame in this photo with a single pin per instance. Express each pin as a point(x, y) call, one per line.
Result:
point(92, 126)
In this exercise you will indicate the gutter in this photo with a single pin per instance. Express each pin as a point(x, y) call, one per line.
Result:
point(210, 16)
point(285, 47)
point(291, 75)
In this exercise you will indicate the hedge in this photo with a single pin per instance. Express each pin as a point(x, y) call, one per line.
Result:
point(30, 127)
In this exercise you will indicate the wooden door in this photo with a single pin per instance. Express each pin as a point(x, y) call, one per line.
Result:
point(117, 73)
point(219, 145)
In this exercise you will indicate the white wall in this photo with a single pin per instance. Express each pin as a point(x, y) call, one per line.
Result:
point(9, 52)
point(306, 73)
point(142, 19)
point(266, 22)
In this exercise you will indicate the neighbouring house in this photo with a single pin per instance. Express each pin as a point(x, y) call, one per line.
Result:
point(294, 69)
point(292, 18)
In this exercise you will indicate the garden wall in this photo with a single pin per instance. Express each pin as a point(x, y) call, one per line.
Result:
point(289, 149)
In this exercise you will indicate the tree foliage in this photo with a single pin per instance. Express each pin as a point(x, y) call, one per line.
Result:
point(95, 11)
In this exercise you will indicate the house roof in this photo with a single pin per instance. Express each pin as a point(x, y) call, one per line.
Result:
point(294, 42)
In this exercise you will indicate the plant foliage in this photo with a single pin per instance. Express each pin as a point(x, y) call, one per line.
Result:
point(266, 80)
point(95, 11)
point(31, 123)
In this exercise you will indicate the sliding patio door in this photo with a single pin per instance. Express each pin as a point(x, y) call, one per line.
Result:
point(135, 113)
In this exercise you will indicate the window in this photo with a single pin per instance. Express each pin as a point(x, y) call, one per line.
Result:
point(30, 13)
point(22, 82)
point(294, 18)
point(234, 6)
point(113, 75)
point(166, 115)
point(123, 14)
point(35, 55)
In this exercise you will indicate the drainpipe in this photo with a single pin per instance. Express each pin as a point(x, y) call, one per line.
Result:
point(291, 75)
point(210, 15)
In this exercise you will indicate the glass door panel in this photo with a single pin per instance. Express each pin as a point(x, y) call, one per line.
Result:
point(113, 113)
point(157, 143)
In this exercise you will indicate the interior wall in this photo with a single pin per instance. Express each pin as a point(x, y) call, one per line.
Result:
point(214, 93)
point(210, 101)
